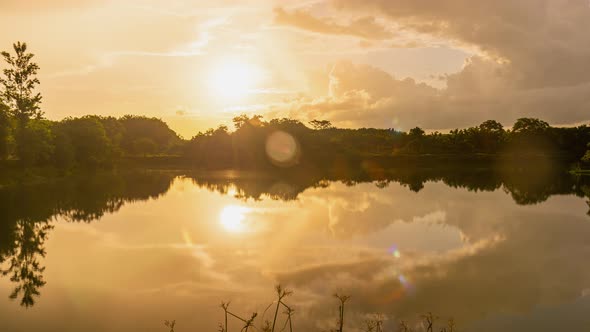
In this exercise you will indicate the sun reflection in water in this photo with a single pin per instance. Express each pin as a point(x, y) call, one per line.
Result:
point(232, 218)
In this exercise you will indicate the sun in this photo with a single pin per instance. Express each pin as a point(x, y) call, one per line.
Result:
point(234, 79)
point(232, 218)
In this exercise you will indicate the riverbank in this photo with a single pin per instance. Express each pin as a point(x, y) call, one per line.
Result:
point(366, 167)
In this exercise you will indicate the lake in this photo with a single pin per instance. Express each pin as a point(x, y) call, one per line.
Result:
point(124, 251)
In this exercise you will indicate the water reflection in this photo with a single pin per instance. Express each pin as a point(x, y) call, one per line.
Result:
point(27, 212)
point(232, 218)
point(24, 268)
point(402, 243)
point(528, 186)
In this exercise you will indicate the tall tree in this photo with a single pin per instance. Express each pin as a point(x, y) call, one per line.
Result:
point(19, 83)
point(489, 136)
point(491, 126)
point(530, 126)
point(4, 130)
point(416, 132)
point(320, 124)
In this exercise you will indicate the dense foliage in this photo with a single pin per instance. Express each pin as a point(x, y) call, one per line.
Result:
point(245, 147)
point(89, 141)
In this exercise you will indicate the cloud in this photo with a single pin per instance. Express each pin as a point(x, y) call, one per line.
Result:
point(365, 27)
point(496, 274)
point(530, 60)
point(353, 269)
point(41, 5)
point(543, 43)
point(363, 95)
point(496, 270)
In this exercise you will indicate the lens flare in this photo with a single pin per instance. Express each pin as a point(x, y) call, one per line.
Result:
point(282, 149)
point(402, 279)
point(395, 252)
point(406, 284)
point(400, 290)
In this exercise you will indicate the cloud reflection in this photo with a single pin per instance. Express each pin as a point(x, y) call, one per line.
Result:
point(477, 256)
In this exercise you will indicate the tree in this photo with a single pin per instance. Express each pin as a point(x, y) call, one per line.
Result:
point(114, 131)
point(4, 130)
point(240, 120)
point(586, 157)
point(64, 155)
point(490, 136)
point(136, 127)
point(36, 143)
point(243, 119)
point(416, 132)
point(533, 137)
point(530, 126)
point(320, 124)
point(144, 146)
point(87, 139)
point(19, 94)
point(491, 126)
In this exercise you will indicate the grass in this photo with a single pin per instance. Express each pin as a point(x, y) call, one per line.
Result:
point(426, 323)
point(580, 169)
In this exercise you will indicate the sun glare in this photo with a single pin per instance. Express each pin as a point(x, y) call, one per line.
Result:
point(234, 79)
point(232, 218)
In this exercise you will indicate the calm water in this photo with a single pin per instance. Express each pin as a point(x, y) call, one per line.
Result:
point(124, 252)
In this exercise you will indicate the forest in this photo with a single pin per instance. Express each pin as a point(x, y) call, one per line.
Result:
point(29, 139)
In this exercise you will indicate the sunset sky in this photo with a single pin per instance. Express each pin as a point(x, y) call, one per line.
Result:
point(379, 63)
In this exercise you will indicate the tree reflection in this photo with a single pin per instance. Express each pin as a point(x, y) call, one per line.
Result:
point(24, 267)
point(586, 190)
point(28, 211)
point(525, 186)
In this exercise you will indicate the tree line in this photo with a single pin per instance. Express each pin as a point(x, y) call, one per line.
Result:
point(26, 136)
point(321, 143)
point(85, 141)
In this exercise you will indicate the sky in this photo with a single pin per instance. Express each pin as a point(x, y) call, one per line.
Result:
point(371, 63)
